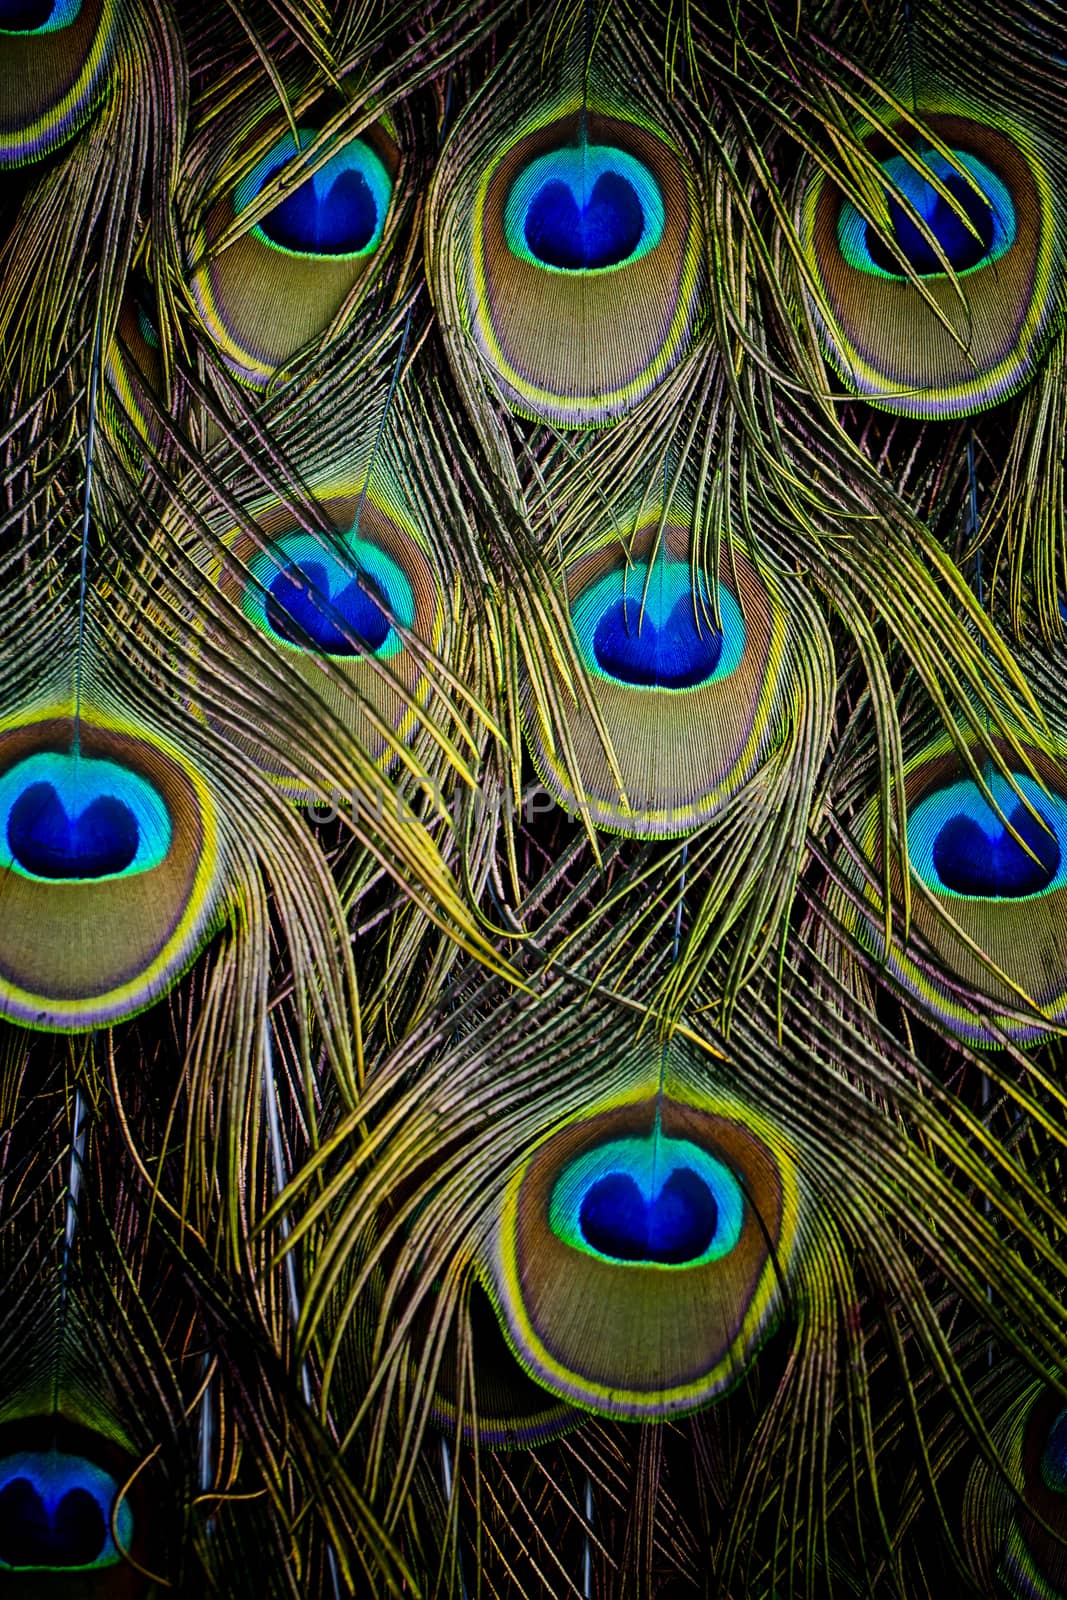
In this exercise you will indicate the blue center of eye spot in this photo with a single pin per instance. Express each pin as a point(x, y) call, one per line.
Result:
point(602, 232)
point(674, 656)
point(675, 1225)
point(340, 600)
point(98, 841)
point(585, 208)
point(340, 210)
point(971, 860)
point(655, 1200)
point(653, 633)
point(301, 596)
point(340, 222)
point(71, 1535)
point(961, 247)
point(37, 16)
point(1054, 1456)
point(55, 1513)
point(67, 817)
point(985, 202)
point(957, 842)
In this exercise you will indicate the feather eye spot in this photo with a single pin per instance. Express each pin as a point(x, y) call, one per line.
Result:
point(588, 233)
point(71, 817)
point(691, 682)
point(958, 842)
point(574, 258)
point(284, 251)
point(980, 224)
point(340, 210)
point(1033, 1560)
point(335, 607)
point(986, 229)
point(971, 860)
point(71, 1534)
point(656, 1201)
point(111, 873)
point(993, 879)
point(48, 843)
point(56, 1513)
point(588, 208)
point(667, 1223)
point(670, 1228)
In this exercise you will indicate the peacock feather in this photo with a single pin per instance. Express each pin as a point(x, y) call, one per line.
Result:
point(533, 799)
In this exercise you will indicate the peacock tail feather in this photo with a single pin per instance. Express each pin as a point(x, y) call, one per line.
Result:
point(533, 800)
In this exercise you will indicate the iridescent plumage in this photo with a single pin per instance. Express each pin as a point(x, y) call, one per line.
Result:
point(533, 816)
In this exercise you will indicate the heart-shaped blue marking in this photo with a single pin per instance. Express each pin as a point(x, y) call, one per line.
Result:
point(56, 1511)
point(337, 221)
point(100, 840)
point(959, 245)
point(603, 232)
point(37, 16)
point(299, 604)
point(584, 208)
point(339, 210)
point(648, 1198)
point(630, 647)
point(970, 860)
point(985, 202)
point(24, 16)
point(72, 1534)
point(673, 1226)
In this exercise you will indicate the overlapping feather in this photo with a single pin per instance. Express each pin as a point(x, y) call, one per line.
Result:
point(272, 1219)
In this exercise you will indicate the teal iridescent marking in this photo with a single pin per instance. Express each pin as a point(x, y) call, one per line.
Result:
point(959, 846)
point(653, 1201)
point(58, 810)
point(991, 213)
point(146, 328)
point(339, 211)
point(662, 638)
point(336, 596)
point(28, 17)
point(56, 1514)
point(1054, 1456)
point(584, 208)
